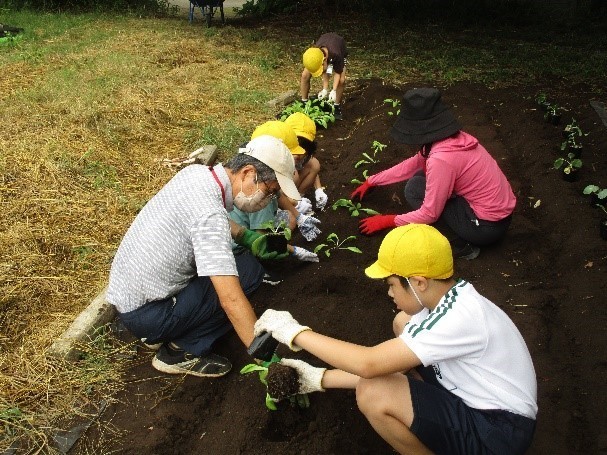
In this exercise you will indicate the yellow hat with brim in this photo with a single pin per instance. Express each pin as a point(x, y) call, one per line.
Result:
point(312, 61)
point(413, 250)
point(303, 125)
point(282, 131)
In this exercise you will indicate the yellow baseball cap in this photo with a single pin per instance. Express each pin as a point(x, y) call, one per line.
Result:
point(312, 60)
point(413, 250)
point(303, 125)
point(281, 131)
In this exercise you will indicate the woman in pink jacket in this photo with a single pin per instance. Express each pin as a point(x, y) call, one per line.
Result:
point(453, 183)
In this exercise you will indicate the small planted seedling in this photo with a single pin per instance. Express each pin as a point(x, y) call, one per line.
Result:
point(281, 382)
point(353, 207)
point(358, 181)
point(333, 243)
point(569, 166)
point(573, 129)
point(598, 196)
point(553, 114)
point(395, 104)
point(371, 158)
point(573, 145)
point(542, 100)
point(572, 134)
point(278, 235)
point(276, 227)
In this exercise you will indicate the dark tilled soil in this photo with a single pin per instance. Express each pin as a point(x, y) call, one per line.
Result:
point(548, 275)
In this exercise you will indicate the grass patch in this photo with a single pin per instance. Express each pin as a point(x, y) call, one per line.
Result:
point(91, 103)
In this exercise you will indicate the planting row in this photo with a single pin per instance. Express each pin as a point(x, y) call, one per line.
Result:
point(570, 164)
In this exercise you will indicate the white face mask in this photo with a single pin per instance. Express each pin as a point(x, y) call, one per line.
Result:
point(254, 203)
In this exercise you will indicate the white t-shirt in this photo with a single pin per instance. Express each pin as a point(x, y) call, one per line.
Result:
point(181, 232)
point(476, 351)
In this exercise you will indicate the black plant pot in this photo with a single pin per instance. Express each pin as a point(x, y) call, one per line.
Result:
point(276, 242)
point(572, 176)
point(554, 119)
point(603, 228)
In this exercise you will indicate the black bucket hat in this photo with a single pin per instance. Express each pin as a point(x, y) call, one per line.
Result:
point(423, 118)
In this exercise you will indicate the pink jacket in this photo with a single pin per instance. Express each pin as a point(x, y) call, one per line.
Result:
point(455, 166)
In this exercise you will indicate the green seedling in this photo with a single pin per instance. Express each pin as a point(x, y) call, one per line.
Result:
point(358, 181)
point(572, 133)
point(541, 98)
point(571, 163)
point(395, 104)
point(601, 193)
point(552, 110)
point(263, 374)
point(333, 243)
point(277, 228)
point(573, 129)
point(300, 400)
point(320, 111)
point(571, 142)
point(371, 158)
point(353, 207)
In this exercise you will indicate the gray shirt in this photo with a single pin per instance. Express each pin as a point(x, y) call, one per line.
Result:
point(181, 232)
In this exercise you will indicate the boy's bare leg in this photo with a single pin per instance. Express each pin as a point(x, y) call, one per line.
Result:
point(325, 81)
point(308, 175)
point(386, 403)
point(340, 88)
point(304, 85)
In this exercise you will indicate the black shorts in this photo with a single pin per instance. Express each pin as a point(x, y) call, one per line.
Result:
point(446, 425)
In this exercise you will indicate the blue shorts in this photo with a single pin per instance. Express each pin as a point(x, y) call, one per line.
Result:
point(446, 425)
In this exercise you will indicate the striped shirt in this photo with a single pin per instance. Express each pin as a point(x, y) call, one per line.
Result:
point(183, 231)
point(476, 351)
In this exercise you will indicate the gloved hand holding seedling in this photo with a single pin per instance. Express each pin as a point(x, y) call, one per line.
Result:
point(286, 379)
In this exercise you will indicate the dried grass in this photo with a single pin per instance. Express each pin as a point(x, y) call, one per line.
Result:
point(83, 128)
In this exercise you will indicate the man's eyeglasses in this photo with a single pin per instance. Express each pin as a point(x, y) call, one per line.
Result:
point(271, 196)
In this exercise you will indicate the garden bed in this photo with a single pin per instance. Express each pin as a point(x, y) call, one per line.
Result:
point(548, 275)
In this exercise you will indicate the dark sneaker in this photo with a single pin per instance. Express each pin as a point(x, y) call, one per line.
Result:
point(150, 346)
point(468, 252)
point(174, 361)
point(271, 278)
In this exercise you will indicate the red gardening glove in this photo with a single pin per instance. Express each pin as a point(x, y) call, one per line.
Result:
point(373, 224)
point(361, 191)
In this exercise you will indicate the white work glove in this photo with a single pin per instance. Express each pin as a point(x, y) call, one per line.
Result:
point(281, 215)
point(307, 226)
point(310, 378)
point(304, 255)
point(333, 96)
point(322, 94)
point(304, 206)
point(281, 325)
point(321, 198)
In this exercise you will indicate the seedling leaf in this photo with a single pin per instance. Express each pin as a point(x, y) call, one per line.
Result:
point(251, 367)
point(270, 403)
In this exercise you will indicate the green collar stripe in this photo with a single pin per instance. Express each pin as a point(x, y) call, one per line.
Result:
point(438, 312)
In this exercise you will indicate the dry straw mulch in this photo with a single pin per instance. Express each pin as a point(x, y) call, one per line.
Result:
point(86, 117)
